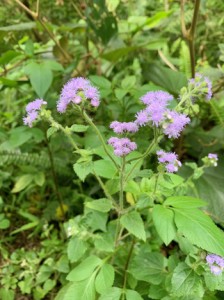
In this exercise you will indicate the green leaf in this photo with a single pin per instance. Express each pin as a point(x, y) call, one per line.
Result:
point(23, 182)
point(105, 168)
point(4, 224)
point(76, 249)
point(170, 80)
point(116, 54)
point(54, 65)
point(184, 281)
point(40, 76)
point(26, 227)
point(6, 294)
point(18, 27)
point(83, 169)
point(8, 56)
point(103, 205)
point(113, 293)
point(133, 223)
point(104, 279)
point(100, 81)
point(149, 267)
point(163, 219)
point(128, 82)
point(39, 178)
point(200, 230)
point(97, 220)
point(79, 128)
point(84, 269)
point(184, 202)
point(133, 295)
point(83, 290)
point(51, 131)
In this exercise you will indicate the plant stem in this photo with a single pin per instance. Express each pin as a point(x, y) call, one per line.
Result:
point(122, 173)
point(126, 268)
point(189, 34)
point(36, 17)
point(107, 194)
point(58, 194)
point(88, 120)
point(154, 142)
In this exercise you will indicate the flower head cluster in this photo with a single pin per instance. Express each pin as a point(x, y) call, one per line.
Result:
point(122, 146)
point(32, 111)
point(123, 127)
point(158, 114)
point(216, 263)
point(211, 160)
point(75, 90)
point(174, 123)
point(170, 160)
point(201, 86)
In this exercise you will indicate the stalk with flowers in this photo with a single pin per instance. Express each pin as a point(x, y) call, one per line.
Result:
point(155, 233)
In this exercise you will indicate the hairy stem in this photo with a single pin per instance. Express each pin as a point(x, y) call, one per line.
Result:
point(88, 120)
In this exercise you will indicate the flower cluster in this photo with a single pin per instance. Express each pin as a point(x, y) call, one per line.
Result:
point(75, 90)
point(123, 127)
point(216, 263)
point(211, 160)
point(170, 160)
point(156, 111)
point(122, 146)
point(32, 111)
point(201, 86)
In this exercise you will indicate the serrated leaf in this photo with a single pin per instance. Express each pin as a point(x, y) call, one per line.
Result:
point(133, 295)
point(149, 267)
point(200, 230)
point(103, 205)
point(76, 249)
point(105, 169)
point(133, 223)
point(83, 169)
point(184, 281)
point(84, 269)
point(113, 293)
point(104, 279)
point(79, 128)
point(163, 219)
point(184, 202)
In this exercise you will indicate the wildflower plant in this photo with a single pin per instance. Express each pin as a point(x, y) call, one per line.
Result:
point(124, 240)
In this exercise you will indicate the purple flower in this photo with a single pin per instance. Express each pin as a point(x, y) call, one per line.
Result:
point(35, 105)
point(174, 123)
point(123, 127)
point(74, 91)
point(170, 160)
point(142, 118)
point(154, 97)
point(32, 109)
point(201, 86)
point(122, 146)
point(216, 263)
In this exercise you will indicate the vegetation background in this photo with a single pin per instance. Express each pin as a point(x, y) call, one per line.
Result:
point(125, 48)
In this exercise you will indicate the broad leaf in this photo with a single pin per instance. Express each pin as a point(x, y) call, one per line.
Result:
point(133, 295)
point(83, 169)
point(149, 267)
point(76, 249)
point(104, 279)
point(40, 77)
point(103, 205)
point(133, 223)
point(185, 281)
point(163, 219)
point(79, 128)
point(200, 230)
point(113, 293)
point(184, 202)
point(105, 168)
point(84, 269)
point(23, 182)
